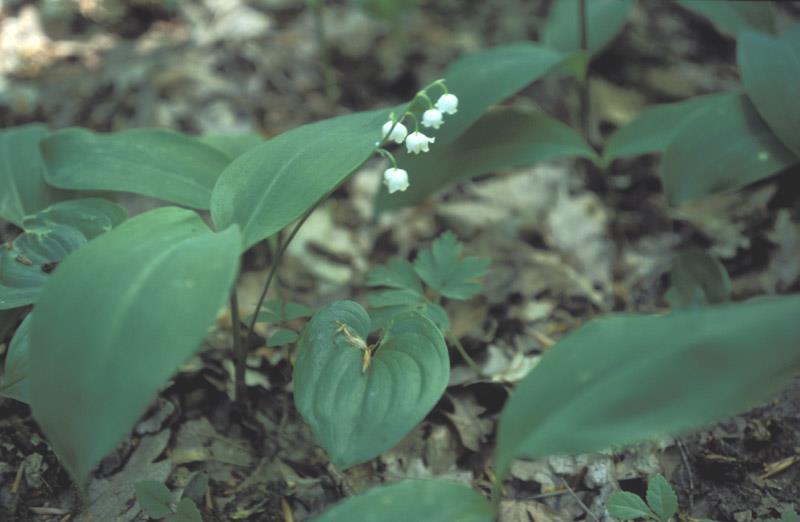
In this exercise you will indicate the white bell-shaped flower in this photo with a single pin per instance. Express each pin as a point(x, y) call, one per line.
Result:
point(432, 118)
point(395, 180)
point(398, 131)
point(447, 103)
point(417, 142)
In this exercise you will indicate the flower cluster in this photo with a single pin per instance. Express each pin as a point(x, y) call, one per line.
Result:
point(396, 179)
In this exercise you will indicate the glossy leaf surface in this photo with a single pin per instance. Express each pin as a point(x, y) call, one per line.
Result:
point(49, 237)
point(360, 408)
point(770, 69)
point(605, 19)
point(423, 500)
point(114, 323)
point(158, 163)
point(23, 189)
point(273, 184)
point(502, 139)
point(721, 147)
point(622, 379)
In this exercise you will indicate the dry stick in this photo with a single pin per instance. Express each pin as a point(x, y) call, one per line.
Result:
point(688, 468)
point(577, 498)
point(239, 354)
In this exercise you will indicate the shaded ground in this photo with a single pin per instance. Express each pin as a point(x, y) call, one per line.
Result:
point(567, 243)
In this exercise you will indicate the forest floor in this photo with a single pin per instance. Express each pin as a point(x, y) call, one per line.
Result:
point(567, 243)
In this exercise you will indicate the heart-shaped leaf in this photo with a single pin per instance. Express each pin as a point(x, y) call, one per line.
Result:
point(158, 163)
point(49, 237)
point(359, 406)
point(114, 323)
point(23, 190)
point(417, 500)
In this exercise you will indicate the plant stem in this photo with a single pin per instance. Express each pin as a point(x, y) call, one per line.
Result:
point(328, 76)
point(239, 353)
point(469, 360)
point(584, 88)
point(274, 268)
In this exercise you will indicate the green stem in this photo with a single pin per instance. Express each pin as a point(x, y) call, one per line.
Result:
point(469, 360)
point(328, 76)
point(584, 88)
point(274, 268)
point(239, 353)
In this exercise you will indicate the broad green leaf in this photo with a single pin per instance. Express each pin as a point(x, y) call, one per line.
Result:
point(417, 500)
point(282, 337)
point(605, 19)
point(382, 313)
point(273, 184)
point(154, 498)
point(661, 497)
point(628, 506)
point(23, 190)
point(502, 139)
point(721, 147)
point(654, 128)
point(443, 269)
point(186, 511)
point(14, 382)
point(396, 273)
point(790, 515)
point(770, 69)
point(732, 17)
point(622, 379)
point(483, 79)
point(158, 163)
point(277, 311)
point(114, 323)
point(234, 145)
point(357, 413)
point(49, 237)
point(697, 279)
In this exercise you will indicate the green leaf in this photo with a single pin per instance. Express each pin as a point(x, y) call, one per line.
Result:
point(628, 506)
point(186, 512)
point(277, 311)
point(357, 414)
point(158, 163)
point(197, 487)
point(483, 79)
point(605, 19)
point(654, 128)
point(722, 147)
point(154, 498)
point(397, 273)
point(233, 145)
point(502, 139)
point(23, 190)
point(732, 17)
point(661, 498)
point(282, 337)
point(114, 323)
point(622, 379)
point(770, 69)
point(273, 184)
point(790, 515)
point(382, 316)
point(424, 500)
point(14, 383)
point(443, 269)
point(49, 237)
point(697, 279)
